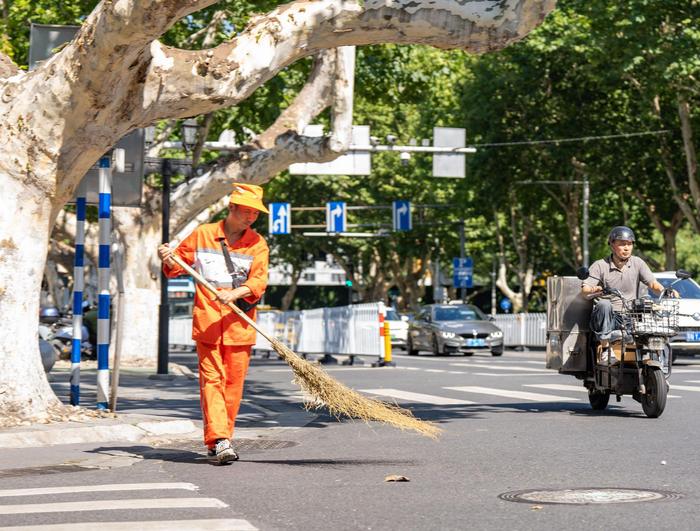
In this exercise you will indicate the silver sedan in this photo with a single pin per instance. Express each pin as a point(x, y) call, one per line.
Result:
point(452, 328)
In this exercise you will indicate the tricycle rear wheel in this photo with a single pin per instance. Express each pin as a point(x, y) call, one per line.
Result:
point(654, 400)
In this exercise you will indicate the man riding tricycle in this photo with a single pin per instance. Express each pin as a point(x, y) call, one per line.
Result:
point(601, 329)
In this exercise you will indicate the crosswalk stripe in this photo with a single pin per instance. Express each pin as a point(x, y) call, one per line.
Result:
point(434, 370)
point(218, 524)
point(685, 388)
point(563, 387)
point(518, 374)
point(104, 505)
point(417, 397)
point(505, 393)
point(559, 387)
point(499, 367)
point(96, 488)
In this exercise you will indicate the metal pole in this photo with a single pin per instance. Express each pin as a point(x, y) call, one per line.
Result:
point(493, 288)
point(586, 202)
point(78, 287)
point(163, 310)
point(103, 299)
point(119, 266)
point(463, 290)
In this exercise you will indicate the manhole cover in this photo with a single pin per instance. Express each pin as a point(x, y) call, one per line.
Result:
point(262, 444)
point(587, 496)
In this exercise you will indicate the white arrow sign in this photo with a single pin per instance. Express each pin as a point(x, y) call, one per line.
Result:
point(280, 218)
point(335, 216)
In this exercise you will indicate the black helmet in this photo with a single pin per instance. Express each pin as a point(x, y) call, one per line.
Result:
point(621, 233)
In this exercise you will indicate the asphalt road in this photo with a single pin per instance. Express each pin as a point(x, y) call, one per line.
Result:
point(509, 425)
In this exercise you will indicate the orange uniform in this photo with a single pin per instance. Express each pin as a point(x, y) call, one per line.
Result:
point(224, 340)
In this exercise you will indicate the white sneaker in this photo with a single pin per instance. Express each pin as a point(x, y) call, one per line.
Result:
point(224, 452)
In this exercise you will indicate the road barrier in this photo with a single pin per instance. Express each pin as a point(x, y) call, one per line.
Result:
point(523, 329)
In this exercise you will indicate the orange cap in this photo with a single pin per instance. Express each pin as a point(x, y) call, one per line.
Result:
point(249, 195)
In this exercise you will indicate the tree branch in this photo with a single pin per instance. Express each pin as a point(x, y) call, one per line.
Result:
point(690, 155)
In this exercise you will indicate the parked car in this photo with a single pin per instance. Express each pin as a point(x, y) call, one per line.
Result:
point(448, 328)
point(398, 327)
point(687, 341)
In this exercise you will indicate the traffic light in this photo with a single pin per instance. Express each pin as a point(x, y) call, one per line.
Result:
point(348, 283)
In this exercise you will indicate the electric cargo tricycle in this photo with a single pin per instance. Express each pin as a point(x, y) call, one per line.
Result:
point(640, 344)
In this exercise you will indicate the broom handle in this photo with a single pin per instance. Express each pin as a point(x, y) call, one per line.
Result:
point(204, 282)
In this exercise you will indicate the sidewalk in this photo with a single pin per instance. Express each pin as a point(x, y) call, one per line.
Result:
point(147, 409)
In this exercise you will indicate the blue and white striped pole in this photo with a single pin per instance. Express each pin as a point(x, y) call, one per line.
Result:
point(104, 212)
point(78, 287)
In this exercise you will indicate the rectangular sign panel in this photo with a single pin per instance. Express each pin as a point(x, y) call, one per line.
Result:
point(463, 272)
point(280, 218)
point(402, 215)
point(44, 40)
point(336, 217)
point(450, 164)
point(349, 164)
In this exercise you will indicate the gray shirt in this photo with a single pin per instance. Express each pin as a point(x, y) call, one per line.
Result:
point(626, 279)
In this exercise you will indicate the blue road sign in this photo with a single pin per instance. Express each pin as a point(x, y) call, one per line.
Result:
point(505, 304)
point(280, 218)
point(336, 217)
point(402, 215)
point(463, 272)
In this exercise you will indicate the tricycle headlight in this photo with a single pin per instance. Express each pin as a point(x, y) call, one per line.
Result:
point(448, 335)
point(497, 335)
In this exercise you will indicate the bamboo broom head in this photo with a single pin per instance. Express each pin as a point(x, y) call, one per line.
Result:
point(341, 401)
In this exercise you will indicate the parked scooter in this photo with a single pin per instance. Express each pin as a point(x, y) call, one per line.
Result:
point(641, 345)
point(58, 331)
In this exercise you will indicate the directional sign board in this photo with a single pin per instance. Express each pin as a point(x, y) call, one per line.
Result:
point(336, 216)
point(348, 164)
point(402, 215)
point(449, 164)
point(280, 218)
point(463, 271)
point(127, 184)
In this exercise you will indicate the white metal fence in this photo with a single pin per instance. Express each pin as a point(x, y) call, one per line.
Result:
point(345, 330)
point(523, 329)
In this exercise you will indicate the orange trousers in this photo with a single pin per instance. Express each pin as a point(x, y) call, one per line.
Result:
point(222, 370)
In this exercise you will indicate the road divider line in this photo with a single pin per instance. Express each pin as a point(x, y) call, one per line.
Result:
point(417, 397)
point(212, 524)
point(518, 374)
point(97, 488)
point(505, 393)
point(498, 367)
point(112, 505)
point(575, 388)
point(685, 388)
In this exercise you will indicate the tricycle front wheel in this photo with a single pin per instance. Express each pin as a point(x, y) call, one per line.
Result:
point(654, 400)
point(598, 399)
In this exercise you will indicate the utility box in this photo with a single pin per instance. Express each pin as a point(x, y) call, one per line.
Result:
point(568, 318)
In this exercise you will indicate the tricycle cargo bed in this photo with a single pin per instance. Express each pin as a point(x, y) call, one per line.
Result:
point(568, 316)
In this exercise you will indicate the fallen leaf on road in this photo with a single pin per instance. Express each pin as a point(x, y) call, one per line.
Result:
point(536, 507)
point(394, 477)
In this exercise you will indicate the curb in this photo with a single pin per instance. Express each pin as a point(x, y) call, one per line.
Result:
point(56, 435)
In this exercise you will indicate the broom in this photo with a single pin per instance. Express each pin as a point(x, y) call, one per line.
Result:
point(338, 398)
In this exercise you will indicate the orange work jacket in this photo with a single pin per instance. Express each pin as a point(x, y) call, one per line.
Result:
point(213, 322)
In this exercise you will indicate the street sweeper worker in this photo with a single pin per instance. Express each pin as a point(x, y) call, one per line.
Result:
point(234, 258)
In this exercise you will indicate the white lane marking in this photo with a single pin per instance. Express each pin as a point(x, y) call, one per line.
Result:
point(522, 395)
point(417, 397)
point(562, 387)
point(685, 388)
point(498, 367)
point(518, 374)
point(457, 372)
point(434, 370)
point(686, 371)
point(97, 488)
point(559, 387)
point(110, 505)
point(213, 524)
